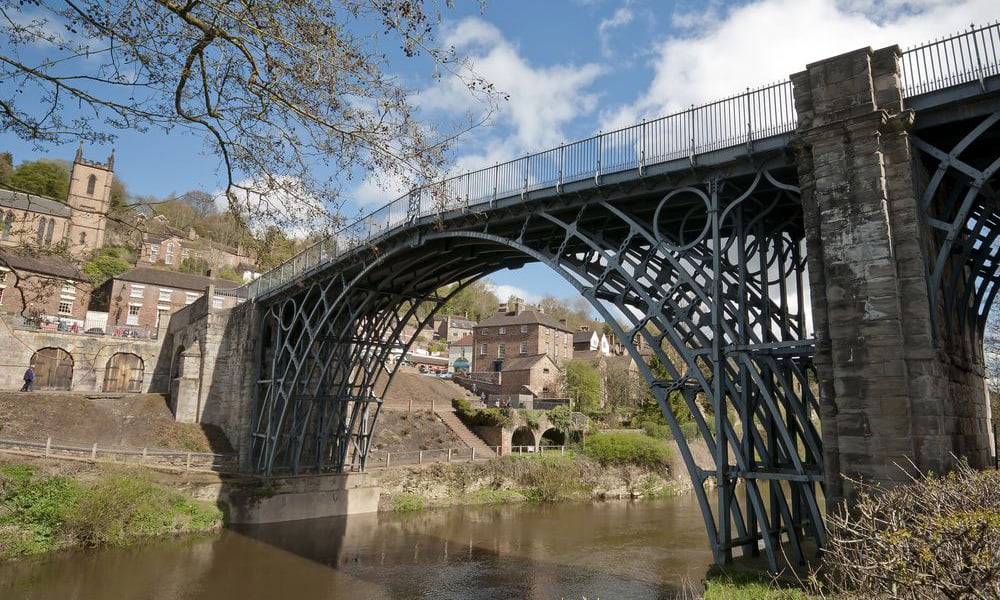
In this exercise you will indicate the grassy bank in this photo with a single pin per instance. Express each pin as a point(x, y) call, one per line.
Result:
point(114, 506)
point(522, 478)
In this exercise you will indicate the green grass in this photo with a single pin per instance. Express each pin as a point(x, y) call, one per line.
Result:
point(721, 585)
point(627, 449)
point(41, 513)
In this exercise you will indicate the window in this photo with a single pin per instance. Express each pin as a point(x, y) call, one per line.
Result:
point(501, 330)
point(65, 307)
point(484, 331)
point(190, 297)
point(165, 295)
point(91, 184)
point(49, 231)
point(154, 253)
point(40, 237)
point(168, 257)
point(501, 350)
point(524, 347)
point(133, 314)
point(216, 301)
point(138, 291)
point(524, 329)
point(482, 350)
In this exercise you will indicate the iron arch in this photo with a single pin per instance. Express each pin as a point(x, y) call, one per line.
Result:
point(719, 279)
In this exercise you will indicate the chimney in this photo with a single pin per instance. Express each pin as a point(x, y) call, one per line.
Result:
point(562, 322)
point(518, 306)
point(210, 273)
point(582, 327)
point(502, 308)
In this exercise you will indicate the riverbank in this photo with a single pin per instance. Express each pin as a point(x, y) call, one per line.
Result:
point(47, 506)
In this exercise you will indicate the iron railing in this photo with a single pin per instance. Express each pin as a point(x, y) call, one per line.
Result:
point(738, 120)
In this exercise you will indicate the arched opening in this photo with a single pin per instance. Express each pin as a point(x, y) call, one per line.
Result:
point(552, 437)
point(175, 374)
point(8, 225)
point(523, 440)
point(124, 373)
point(91, 185)
point(53, 369)
point(40, 236)
point(50, 230)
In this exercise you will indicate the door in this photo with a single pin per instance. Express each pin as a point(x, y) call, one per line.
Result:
point(53, 369)
point(123, 373)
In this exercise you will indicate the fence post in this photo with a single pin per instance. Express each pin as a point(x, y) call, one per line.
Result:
point(473, 453)
point(48, 445)
point(387, 459)
point(93, 452)
point(449, 454)
point(144, 454)
point(432, 405)
point(562, 450)
point(420, 457)
point(187, 466)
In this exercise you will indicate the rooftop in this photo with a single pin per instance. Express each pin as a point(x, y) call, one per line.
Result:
point(43, 264)
point(528, 317)
point(523, 363)
point(174, 280)
point(22, 201)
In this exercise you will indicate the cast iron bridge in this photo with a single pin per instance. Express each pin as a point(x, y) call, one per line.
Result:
point(687, 231)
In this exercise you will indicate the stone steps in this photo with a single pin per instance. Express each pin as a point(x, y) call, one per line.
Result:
point(464, 433)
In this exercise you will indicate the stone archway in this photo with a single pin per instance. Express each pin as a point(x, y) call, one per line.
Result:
point(53, 369)
point(124, 373)
point(522, 439)
point(552, 437)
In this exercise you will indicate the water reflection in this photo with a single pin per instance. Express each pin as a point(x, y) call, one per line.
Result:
point(611, 550)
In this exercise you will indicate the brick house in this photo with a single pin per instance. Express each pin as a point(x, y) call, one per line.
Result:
point(536, 375)
point(460, 354)
point(518, 332)
point(169, 247)
point(44, 286)
point(140, 297)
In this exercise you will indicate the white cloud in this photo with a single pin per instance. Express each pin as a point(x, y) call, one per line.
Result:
point(504, 292)
point(621, 17)
point(543, 99)
point(721, 53)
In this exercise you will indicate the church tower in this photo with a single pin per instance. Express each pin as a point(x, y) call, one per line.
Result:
point(90, 199)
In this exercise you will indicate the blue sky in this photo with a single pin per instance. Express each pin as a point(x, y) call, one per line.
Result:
point(574, 67)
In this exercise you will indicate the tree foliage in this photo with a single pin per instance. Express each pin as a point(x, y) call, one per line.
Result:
point(275, 88)
point(48, 178)
point(476, 301)
point(583, 384)
point(106, 263)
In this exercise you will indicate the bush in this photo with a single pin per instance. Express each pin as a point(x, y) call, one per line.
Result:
point(627, 449)
point(482, 417)
point(938, 537)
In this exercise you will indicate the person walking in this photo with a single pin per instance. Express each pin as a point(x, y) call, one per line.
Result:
point(29, 379)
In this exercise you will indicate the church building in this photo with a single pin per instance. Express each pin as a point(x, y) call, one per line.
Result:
point(79, 223)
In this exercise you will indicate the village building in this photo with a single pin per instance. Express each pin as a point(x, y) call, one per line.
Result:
point(46, 290)
point(450, 328)
point(167, 247)
point(537, 376)
point(79, 223)
point(517, 332)
point(460, 355)
point(140, 298)
point(585, 340)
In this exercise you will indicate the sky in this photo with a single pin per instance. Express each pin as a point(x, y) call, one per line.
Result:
point(572, 68)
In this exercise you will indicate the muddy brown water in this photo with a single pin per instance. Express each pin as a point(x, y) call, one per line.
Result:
point(635, 550)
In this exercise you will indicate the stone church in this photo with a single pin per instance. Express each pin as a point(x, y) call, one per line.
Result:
point(80, 222)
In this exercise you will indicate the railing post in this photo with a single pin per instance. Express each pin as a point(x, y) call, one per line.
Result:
point(559, 183)
point(642, 148)
point(527, 163)
point(749, 123)
point(597, 170)
point(93, 452)
point(144, 454)
point(979, 59)
point(449, 454)
point(48, 445)
point(496, 182)
point(420, 457)
point(473, 454)
point(387, 459)
point(692, 124)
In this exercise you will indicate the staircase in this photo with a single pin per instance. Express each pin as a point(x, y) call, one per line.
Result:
point(458, 427)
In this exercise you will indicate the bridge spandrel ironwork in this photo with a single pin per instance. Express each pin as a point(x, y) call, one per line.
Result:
point(700, 255)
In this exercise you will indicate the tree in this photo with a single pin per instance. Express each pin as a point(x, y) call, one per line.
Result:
point(576, 311)
point(106, 263)
point(583, 383)
point(276, 88)
point(47, 178)
point(476, 301)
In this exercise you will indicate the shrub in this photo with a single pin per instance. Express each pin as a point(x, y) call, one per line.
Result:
point(627, 449)
point(938, 537)
point(408, 502)
point(482, 417)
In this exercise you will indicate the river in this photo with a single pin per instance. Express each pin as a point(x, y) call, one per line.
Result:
point(635, 550)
